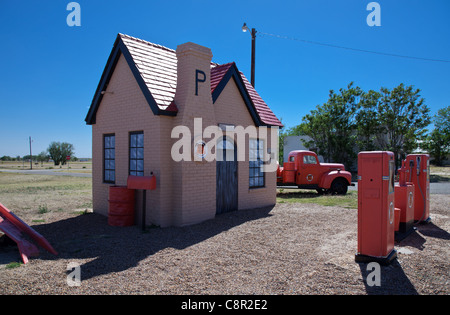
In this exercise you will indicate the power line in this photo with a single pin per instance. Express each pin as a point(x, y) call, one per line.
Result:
point(353, 49)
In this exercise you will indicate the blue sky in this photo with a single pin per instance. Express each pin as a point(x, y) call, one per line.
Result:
point(49, 71)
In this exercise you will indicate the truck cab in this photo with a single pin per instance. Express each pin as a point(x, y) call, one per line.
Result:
point(304, 170)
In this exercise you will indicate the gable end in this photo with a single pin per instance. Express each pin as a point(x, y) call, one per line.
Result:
point(234, 73)
point(120, 48)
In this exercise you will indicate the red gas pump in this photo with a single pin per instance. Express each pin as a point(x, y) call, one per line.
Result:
point(404, 200)
point(417, 171)
point(376, 207)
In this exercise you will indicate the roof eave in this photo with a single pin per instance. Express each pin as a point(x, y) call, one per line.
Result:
point(118, 49)
point(233, 72)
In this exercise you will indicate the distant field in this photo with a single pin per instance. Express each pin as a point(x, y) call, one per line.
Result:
point(40, 198)
point(82, 166)
point(439, 174)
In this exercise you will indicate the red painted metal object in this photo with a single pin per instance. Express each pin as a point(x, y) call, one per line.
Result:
point(120, 206)
point(14, 228)
point(304, 170)
point(417, 171)
point(404, 200)
point(145, 183)
point(376, 210)
point(141, 182)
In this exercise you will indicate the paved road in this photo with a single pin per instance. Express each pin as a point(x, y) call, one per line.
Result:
point(442, 188)
point(48, 172)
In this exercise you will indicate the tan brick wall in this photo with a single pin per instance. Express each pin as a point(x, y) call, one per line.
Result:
point(122, 112)
point(186, 191)
point(230, 108)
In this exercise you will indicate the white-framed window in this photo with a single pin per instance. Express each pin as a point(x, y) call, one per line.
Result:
point(109, 158)
point(136, 153)
point(256, 154)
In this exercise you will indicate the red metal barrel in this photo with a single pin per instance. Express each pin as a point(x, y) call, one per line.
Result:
point(121, 206)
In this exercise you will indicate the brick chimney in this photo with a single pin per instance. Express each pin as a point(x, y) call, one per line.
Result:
point(194, 181)
point(193, 93)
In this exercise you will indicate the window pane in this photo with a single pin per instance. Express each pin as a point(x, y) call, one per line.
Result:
point(252, 155)
point(140, 140)
point(109, 156)
point(140, 153)
point(260, 181)
point(256, 153)
point(140, 165)
point(137, 154)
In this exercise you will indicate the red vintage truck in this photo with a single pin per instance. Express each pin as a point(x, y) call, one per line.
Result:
point(304, 170)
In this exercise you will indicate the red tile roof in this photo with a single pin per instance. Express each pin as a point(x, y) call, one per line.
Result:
point(217, 73)
point(265, 114)
point(157, 65)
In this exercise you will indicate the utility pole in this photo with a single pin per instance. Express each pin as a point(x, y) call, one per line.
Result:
point(31, 156)
point(253, 56)
point(253, 34)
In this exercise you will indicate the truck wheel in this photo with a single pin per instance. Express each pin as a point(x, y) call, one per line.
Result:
point(339, 186)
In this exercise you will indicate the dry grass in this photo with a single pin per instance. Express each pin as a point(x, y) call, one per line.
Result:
point(40, 198)
point(14, 165)
point(349, 201)
point(439, 173)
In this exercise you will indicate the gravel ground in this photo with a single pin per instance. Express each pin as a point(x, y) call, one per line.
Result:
point(286, 249)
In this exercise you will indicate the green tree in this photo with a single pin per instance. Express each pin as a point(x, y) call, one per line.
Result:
point(367, 125)
point(292, 131)
point(6, 158)
point(437, 143)
point(58, 151)
point(402, 116)
point(42, 157)
point(332, 126)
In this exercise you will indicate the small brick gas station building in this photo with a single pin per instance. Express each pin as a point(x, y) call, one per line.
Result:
point(144, 92)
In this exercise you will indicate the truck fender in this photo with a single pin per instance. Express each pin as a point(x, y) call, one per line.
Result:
point(329, 177)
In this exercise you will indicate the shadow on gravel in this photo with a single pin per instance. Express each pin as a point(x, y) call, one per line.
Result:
point(434, 231)
point(393, 280)
point(416, 239)
point(114, 249)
